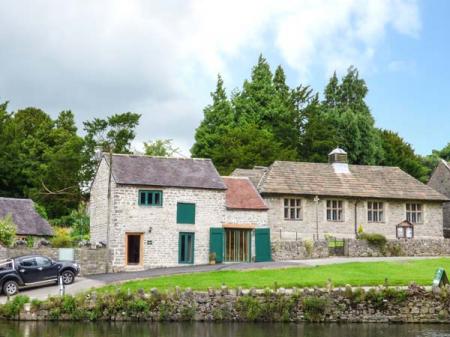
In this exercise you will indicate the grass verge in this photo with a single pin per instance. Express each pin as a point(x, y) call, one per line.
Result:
point(356, 274)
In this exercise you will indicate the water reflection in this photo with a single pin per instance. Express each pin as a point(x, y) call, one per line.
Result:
point(68, 329)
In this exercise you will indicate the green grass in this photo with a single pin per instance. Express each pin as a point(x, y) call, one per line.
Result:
point(356, 274)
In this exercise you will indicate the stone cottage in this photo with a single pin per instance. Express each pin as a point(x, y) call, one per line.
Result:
point(155, 211)
point(310, 200)
point(28, 222)
point(440, 181)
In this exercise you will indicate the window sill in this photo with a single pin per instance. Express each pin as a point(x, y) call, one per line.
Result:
point(293, 219)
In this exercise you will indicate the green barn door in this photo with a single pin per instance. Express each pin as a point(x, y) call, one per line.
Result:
point(216, 243)
point(262, 245)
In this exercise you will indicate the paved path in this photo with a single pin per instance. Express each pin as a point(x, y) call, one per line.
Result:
point(86, 283)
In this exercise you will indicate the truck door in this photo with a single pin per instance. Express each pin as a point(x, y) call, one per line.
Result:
point(28, 270)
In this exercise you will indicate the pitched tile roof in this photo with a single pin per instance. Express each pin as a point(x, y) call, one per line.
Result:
point(242, 194)
point(27, 220)
point(255, 174)
point(362, 181)
point(162, 171)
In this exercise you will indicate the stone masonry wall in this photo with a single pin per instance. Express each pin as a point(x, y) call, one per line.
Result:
point(161, 244)
point(376, 305)
point(299, 250)
point(440, 181)
point(98, 203)
point(395, 212)
point(416, 247)
point(91, 261)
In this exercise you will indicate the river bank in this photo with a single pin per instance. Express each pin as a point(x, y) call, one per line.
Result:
point(382, 304)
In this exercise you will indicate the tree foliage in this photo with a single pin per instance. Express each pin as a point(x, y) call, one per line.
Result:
point(160, 147)
point(113, 133)
point(7, 231)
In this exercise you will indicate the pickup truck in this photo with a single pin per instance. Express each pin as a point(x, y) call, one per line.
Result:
point(33, 271)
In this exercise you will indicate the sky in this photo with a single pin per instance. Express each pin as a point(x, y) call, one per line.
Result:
point(161, 58)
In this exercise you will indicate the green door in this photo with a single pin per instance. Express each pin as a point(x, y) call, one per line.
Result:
point(262, 245)
point(216, 243)
point(186, 248)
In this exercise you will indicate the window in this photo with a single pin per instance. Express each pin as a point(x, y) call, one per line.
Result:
point(375, 211)
point(28, 262)
point(43, 261)
point(292, 209)
point(334, 210)
point(186, 248)
point(150, 198)
point(414, 212)
point(185, 213)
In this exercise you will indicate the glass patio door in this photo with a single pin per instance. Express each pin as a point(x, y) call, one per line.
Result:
point(237, 245)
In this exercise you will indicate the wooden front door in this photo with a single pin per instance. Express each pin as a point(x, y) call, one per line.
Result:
point(237, 245)
point(134, 247)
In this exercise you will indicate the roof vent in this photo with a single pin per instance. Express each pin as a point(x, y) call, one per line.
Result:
point(339, 160)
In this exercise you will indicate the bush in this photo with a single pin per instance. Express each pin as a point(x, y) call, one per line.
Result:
point(62, 238)
point(12, 308)
point(375, 239)
point(308, 247)
point(78, 222)
point(315, 308)
point(7, 231)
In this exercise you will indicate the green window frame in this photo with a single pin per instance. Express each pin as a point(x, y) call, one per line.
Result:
point(186, 213)
point(150, 198)
point(186, 248)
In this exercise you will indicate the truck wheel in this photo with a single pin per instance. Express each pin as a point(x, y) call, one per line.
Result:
point(10, 288)
point(68, 277)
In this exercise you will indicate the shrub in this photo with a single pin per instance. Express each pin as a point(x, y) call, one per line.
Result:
point(315, 308)
point(62, 238)
point(249, 307)
point(30, 241)
point(78, 221)
point(360, 230)
point(308, 247)
point(395, 250)
point(7, 231)
point(12, 308)
point(374, 239)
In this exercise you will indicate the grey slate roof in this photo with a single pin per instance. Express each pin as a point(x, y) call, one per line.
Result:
point(27, 220)
point(363, 181)
point(162, 171)
point(255, 174)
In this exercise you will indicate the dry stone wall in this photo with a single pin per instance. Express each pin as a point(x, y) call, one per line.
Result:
point(92, 261)
point(383, 304)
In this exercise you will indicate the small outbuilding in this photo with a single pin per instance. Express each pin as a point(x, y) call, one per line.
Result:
point(25, 217)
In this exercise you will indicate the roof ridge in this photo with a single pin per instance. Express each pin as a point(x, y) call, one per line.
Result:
point(157, 157)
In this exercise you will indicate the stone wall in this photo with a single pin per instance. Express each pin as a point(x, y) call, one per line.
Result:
point(415, 247)
point(91, 261)
point(440, 181)
point(394, 212)
point(299, 250)
point(414, 304)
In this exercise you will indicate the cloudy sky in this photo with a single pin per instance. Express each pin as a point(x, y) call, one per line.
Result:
point(161, 58)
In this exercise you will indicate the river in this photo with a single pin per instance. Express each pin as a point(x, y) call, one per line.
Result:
point(70, 329)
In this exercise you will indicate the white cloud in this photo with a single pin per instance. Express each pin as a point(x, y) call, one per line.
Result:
point(160, 58)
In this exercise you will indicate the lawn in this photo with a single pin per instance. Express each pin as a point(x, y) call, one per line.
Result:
point(356, 274)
